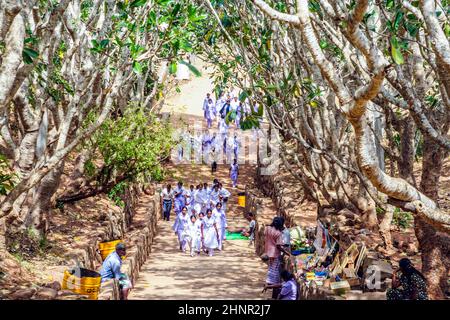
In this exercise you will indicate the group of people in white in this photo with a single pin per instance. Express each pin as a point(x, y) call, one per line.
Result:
point(200, 216)
point(220, 144)
point(226, 104)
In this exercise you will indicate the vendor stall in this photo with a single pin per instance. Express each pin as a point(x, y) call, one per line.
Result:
point(319, 261)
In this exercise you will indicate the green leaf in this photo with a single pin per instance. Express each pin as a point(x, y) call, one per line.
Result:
point(33, 54)
point(193, 69)
point(175, 10)
point(163, 2)
point(398, 18)
point(104, 43)
point(447, 29)
point(28, 55)
point(137, 67)
point(173, 67)
point(138, 3)
point(118, 41)
point(244, 95)
point(260, 111)
point(390, 4)
point(272, 87)
point(152, 18)
point(396, 51)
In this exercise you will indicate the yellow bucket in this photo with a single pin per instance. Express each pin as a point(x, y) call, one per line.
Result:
point(82, 281)
point(241, 200)
point(107, 247)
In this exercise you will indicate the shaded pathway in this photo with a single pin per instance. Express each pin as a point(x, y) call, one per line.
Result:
point(236, 272)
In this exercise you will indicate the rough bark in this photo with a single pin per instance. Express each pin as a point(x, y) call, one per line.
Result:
point(406, 161)
point(434, 245)
point(40, 214)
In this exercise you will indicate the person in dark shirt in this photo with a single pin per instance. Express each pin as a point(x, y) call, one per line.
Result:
point(407, 283)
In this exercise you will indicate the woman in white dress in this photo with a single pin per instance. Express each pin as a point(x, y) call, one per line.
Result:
point(199, 222)
point(189, 196)
point(191, 235)
point(210, 234)
point(221, 222)
point(179, 226)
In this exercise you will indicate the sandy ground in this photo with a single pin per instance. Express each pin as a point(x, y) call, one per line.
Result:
point(234, 273)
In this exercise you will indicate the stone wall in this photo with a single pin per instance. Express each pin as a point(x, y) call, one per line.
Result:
point(139, 242)
point(138, 235)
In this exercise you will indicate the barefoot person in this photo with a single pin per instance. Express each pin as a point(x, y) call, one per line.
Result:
point(191, 235)
point(234, 173)
point(221, 223)
point(273, 245)
point(199, 222)
point(210, 234)
point(179, 197)
point(224, 194)
point(180, 225)
point(111, 269)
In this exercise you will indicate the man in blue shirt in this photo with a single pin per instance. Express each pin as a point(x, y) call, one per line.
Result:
point(111, 269)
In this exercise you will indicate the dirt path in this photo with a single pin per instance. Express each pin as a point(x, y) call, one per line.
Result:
point(234, 273)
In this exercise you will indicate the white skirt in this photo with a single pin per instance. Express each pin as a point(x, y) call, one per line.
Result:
point(210, 238)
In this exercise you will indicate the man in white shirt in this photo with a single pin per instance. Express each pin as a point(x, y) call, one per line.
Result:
point(167, 201)
point(234, 103)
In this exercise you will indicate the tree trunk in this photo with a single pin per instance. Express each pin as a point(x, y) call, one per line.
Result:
point(368, 209)
point(406, 162)
point(435, 249)
point(385, 227)
point(435, 246)
point(39, 215)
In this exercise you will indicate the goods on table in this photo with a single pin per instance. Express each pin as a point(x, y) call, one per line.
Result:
point(320, 260)
point(299, 242)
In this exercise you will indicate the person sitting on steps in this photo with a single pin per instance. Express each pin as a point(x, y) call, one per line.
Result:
point(250, 232)
point(111, 270)
point(289, 287)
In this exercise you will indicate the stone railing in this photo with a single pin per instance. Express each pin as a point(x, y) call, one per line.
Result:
point(138, 237)
point(139, 243)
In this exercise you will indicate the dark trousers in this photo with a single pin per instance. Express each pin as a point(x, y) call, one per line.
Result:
point(167, 207)
point(275, 293)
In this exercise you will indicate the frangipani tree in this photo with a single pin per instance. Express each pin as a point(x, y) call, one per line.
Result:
point(347, 83)
point(64, 60)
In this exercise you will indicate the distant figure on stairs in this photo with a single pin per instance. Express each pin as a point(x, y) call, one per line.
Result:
point(234, 173)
